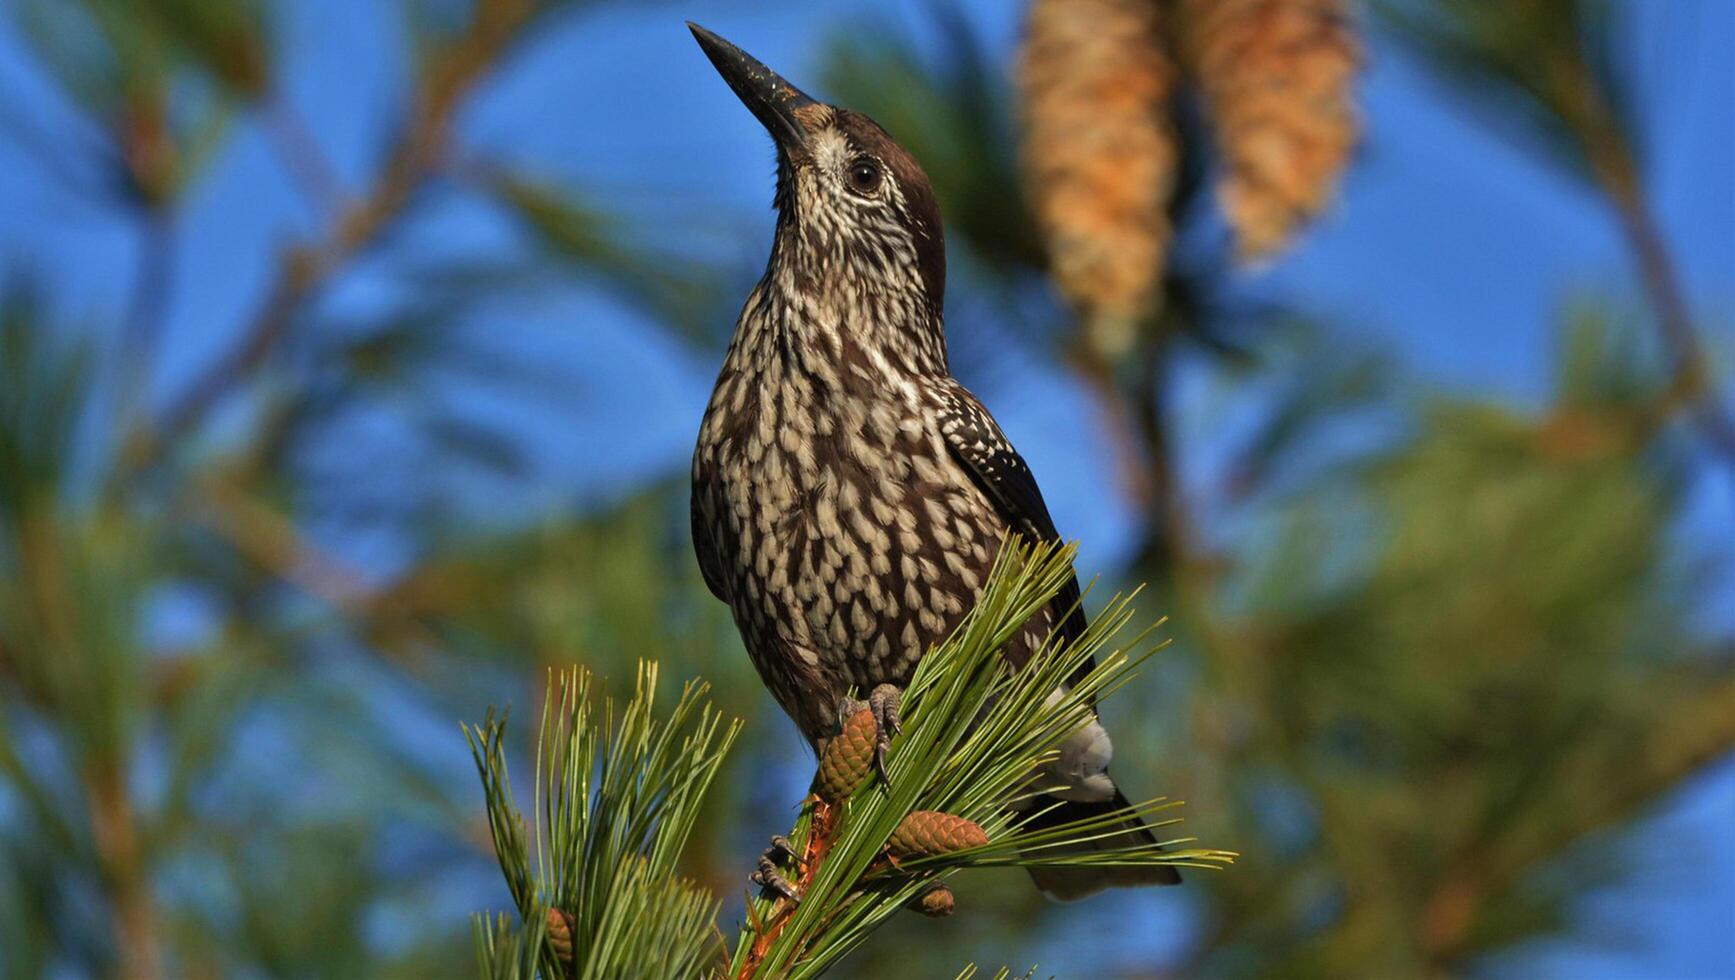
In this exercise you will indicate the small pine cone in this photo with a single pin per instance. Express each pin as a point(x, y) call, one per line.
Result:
point(848, 758)
point(925, 833)
point(1095, 84)
point(935, 903)
point(1277, 79)
point(560, 936)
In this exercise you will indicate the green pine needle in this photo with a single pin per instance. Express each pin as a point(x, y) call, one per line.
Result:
point(617, 793)
point(504, 952)
point(616, 800)
point(974, 732)
point(1004, 973)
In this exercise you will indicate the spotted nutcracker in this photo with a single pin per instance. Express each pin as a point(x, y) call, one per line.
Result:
point(849, 495)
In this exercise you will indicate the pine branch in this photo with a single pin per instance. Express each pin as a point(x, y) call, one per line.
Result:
point(954, 757)
point(503, 951)
point(615, 800)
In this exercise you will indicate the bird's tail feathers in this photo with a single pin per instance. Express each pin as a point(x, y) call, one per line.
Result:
point(1070, 884)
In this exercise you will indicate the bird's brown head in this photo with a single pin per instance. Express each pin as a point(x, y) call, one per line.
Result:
point(853, 205)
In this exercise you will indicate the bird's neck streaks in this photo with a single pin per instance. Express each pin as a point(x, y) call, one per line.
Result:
point(830, 295)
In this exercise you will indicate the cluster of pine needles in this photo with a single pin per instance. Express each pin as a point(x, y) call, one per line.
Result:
point(597, 881)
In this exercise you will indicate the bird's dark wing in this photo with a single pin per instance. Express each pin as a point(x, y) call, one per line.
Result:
point(976, 442)
point(705, 535)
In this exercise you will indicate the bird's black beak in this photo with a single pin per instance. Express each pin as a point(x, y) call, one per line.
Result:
point(772, 99)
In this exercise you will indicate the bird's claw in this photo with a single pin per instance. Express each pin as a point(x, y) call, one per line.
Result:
point(770, 879)
point(885, 702)
point(782, 852)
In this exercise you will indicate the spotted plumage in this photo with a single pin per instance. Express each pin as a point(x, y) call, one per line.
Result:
point(849, 495)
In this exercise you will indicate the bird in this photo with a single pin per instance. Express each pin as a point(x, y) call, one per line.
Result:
point(849, 494)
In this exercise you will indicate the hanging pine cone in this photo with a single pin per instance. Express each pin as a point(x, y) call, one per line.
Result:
point(1276, 77)
point(935, 903)
point(1099, 155)
point(560, 938)
point(848, 757)
point(925, 833)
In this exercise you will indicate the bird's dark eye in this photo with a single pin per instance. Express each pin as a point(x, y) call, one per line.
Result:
point(864, 176)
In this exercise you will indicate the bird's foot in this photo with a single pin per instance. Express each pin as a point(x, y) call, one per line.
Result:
point(782, 852)
point(767, 877)
point(865, 730)
point(768, 874)
point(885, 701)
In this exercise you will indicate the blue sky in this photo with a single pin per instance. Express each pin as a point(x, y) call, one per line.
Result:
point(1451, 248)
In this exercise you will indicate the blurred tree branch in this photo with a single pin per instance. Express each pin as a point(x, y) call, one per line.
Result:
point(1697, 729)
point(148, 308)
point(303, 158)
point(114, 826)
point(1694, 384)
point(271, 540)
point(1556, 65)
point(442, 84)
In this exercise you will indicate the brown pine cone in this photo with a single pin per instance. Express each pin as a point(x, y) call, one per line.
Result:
point(935, 903)
point(848, 758)
point(925, 833)
point(560, 937)
point(1277, 79)
point(1095, 81)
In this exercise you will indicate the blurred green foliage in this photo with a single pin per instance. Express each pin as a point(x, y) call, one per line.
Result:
point(1414, 674)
